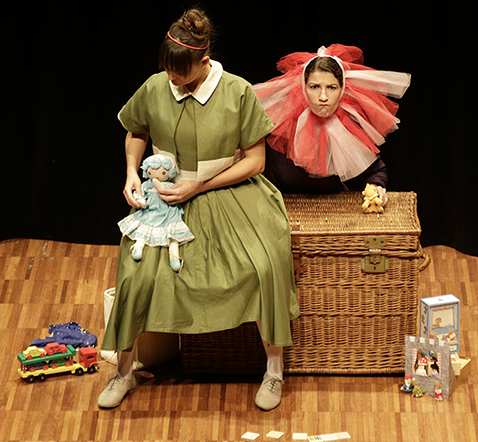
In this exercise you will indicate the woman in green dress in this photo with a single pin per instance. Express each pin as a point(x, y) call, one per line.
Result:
point(239, 266)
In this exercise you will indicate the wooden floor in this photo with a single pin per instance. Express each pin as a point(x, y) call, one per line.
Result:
point(44, 282)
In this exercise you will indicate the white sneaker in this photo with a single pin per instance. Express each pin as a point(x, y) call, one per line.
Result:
point(270, 393)
point(117, 389)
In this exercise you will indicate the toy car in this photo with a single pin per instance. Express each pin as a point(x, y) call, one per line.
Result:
point(34, 352)
point(54, 347)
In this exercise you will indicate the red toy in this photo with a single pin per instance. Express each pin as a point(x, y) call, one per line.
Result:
point(54, 347)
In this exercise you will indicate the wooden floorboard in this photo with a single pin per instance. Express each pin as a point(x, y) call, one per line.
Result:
point(47, 282)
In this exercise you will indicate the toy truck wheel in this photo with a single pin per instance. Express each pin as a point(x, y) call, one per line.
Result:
point(30, 379)
point(91, 369)
point(79, 371)
point(42, 378)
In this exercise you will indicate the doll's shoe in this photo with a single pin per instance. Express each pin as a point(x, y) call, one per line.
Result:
point(117, 389)
point(137, 252)
point(270, 393)
point(176, 264)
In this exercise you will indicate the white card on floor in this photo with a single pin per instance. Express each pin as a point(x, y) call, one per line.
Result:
point(250, 436)
point(275, 434)
point(299, 436)
point(329, 437)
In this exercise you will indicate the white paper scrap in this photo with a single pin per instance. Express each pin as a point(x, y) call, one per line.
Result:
point(329, 437)
point(250, 436)
point(299, 436)
point(275, 434)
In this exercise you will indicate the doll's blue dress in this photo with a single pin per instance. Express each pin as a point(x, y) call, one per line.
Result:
point(159, 222)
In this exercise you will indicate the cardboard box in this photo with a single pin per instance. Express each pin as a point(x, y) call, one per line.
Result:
point(440, 320)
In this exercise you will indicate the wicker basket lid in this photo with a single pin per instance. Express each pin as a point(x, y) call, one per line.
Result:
point(336, 223)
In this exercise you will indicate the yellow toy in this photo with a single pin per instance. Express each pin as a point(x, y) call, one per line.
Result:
point(372, 203)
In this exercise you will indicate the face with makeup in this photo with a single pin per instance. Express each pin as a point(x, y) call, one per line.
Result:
point(323, 93)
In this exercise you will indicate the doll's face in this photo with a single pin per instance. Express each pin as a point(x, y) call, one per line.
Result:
point(160, 174)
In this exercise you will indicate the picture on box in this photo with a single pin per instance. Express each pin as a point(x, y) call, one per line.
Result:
point(443, 325)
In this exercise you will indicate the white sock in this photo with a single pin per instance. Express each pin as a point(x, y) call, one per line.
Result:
point(275, 364)
point(125, 362)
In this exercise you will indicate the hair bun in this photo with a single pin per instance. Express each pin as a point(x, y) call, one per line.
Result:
point(196, 22)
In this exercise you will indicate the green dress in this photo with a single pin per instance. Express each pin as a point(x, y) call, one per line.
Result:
point(239, 266)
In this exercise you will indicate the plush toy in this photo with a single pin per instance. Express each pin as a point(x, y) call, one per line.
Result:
point(372, 203)
point(157, 223)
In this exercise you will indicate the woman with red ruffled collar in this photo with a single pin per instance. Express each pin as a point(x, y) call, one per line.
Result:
point(330, 113)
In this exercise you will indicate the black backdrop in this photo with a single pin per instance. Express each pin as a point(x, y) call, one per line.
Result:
point(69, 67)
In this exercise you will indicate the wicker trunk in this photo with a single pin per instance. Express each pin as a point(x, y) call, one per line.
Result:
point(357, 283)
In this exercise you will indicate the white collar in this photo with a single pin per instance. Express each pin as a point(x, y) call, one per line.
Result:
point(205, 90)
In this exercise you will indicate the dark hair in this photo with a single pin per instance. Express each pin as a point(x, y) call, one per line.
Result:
point(325, 64)
point(194, 29)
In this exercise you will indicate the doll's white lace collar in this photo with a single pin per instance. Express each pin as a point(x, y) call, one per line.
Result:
point(205, 90)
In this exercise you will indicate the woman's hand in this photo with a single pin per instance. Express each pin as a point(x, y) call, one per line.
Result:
point(251, 164)
point(382, 194)
point(135, 145)
point(133, 183)
point(180, 192)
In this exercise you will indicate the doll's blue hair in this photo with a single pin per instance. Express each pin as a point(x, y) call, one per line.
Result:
point(155, 162)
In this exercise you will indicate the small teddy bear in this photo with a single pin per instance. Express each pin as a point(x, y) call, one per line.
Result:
point(372, 203)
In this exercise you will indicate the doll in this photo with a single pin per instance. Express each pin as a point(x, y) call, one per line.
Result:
point(407, 387)
point(438, 392)
point(422, 363)
point(372, 203)
point(417, 390)
point(157, 223)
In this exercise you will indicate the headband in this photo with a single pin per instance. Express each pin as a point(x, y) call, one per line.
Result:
point(185, 45)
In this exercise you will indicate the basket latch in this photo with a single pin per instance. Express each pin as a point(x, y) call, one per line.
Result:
point(374, 262)
point(295, 245)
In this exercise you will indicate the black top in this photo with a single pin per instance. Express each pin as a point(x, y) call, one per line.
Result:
point(289, 178)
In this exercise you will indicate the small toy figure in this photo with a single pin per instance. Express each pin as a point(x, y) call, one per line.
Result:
point(451, 335)
point(422, 363)
point(407, 387)
point(157, 223)
point(438, 392)
point(417, 390)
point(435, 370)
point(372, 203)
